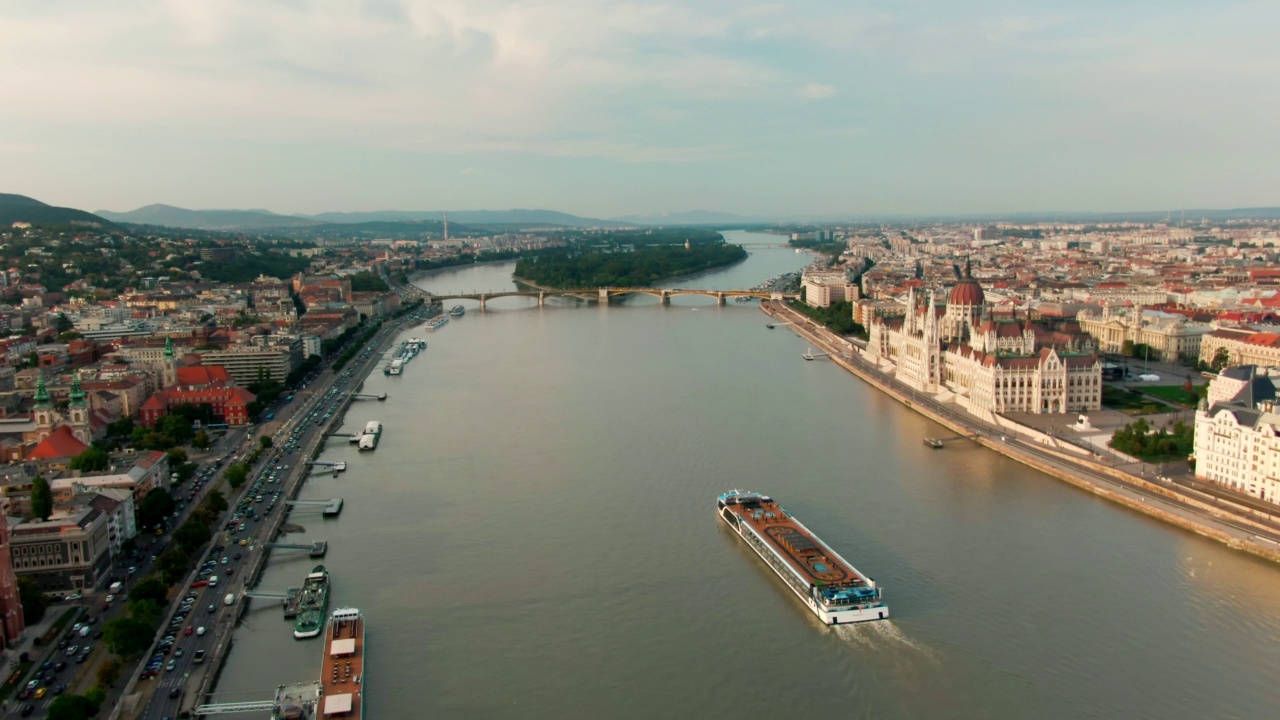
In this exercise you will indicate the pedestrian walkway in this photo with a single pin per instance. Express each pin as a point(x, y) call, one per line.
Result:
point(27, 643)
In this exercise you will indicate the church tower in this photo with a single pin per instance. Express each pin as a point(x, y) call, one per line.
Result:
point(170, 370)
point(43, 410)
point(79, 412)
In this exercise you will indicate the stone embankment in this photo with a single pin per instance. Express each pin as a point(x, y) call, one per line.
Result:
point(278, 525)
point(1237, 527)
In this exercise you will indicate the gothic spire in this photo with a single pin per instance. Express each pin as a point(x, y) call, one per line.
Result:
point(168, 348)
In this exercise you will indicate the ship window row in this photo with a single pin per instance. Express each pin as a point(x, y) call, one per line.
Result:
point(778, 563)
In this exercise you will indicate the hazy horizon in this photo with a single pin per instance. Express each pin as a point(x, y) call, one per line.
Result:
point(603, 110)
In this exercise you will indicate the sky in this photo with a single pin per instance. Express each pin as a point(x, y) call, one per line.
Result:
point(789, 109)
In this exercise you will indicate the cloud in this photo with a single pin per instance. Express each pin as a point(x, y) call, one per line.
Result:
point(634, 85)
point(817, 91)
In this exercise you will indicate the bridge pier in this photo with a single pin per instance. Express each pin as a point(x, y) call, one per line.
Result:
point(542, 298)
point(483, 298)
point(604, 296)
point(665, 298)
point(719, 298)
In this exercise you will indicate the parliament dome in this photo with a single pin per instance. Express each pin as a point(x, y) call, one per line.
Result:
point(967, 292)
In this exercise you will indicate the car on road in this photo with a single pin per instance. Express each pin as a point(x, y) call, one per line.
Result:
point(28, 709)
point(175, 692)
point(40, 693)
point(25, 694)
point(170, 667)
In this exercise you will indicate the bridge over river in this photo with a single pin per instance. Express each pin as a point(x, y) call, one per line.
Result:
point(605, 294)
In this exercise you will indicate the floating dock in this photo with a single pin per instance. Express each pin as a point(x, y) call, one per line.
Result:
point(331, 507)
point(316, 549)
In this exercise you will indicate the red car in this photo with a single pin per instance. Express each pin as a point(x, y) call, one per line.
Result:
point(188, 630)
point(25, 694)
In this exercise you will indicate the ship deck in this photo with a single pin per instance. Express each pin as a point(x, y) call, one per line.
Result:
point(342, 675)
point(801, 550)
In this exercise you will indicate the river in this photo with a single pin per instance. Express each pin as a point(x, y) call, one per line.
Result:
point(535, 537)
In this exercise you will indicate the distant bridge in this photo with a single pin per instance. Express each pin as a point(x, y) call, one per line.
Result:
point(605, 294)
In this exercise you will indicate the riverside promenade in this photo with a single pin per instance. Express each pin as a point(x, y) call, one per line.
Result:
point(1237, 526)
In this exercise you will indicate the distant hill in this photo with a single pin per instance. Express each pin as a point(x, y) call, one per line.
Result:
point(20, 208)
point(690, 217)
point(170, 216)
point(506, 218)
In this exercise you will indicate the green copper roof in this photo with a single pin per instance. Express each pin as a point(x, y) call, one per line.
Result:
point(77, 395)
point(42, 393)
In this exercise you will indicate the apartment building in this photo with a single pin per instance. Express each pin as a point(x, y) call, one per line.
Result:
point(1237, 439)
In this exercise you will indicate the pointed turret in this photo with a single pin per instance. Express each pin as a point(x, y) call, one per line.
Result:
point(168, 347)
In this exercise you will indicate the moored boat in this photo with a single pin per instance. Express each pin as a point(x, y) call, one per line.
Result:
point(369, 438)
point(457, 311)
point(342, 675)
point(435, 322)
point(828, 584)
point(312, 604)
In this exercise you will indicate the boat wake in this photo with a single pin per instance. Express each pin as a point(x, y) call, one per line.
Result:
point(879, 635)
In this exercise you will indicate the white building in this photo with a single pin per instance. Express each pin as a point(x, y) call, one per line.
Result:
point(1170, 336)
point(988, 364)
point(823, 287)
point(1237, 440)
point(1242, 346)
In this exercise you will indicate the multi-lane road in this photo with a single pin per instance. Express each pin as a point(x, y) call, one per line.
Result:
point(295, 432)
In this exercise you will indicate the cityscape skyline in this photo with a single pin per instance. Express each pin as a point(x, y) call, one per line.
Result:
point(607, 110)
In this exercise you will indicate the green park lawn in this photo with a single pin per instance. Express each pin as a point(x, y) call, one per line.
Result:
point(1130, 402)
point(1174, 394)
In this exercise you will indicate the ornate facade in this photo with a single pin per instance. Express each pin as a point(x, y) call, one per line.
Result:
point(1237, 438)
point(1170, 337)
point(78, 417)
point(995, 365)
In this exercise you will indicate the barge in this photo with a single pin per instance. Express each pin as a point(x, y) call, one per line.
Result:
point(825, 582)
point(342, 672)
